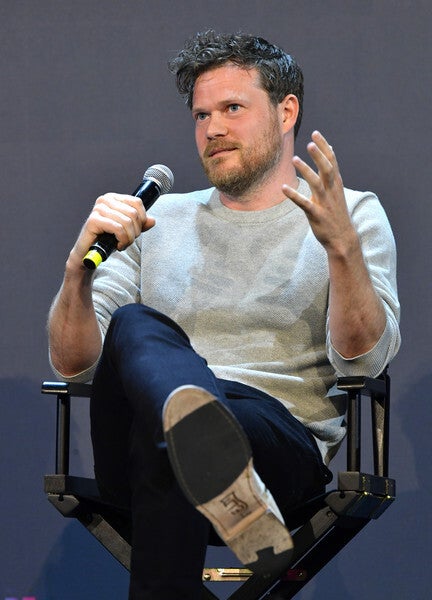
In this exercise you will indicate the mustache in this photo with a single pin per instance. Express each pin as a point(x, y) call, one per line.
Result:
point(218, 146)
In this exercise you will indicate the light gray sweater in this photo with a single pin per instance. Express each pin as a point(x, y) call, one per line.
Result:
point(250, 288)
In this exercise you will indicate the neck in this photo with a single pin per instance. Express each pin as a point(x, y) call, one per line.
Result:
point(264, 194)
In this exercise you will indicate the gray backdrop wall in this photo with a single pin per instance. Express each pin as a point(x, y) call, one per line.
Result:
point(87, 104)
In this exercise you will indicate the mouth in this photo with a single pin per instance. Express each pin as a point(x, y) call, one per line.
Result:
point(218, 151)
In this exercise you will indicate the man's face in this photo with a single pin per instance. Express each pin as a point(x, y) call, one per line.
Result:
point(237, 131)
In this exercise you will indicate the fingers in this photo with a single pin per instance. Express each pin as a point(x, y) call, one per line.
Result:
point(321, 143)
point(124, 216)
point(326, 208)
point(322, 154)
point(324, 158)
point(297, 198)
point(324, 181)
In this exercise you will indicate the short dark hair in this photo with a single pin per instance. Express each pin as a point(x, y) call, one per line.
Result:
point(279, 72)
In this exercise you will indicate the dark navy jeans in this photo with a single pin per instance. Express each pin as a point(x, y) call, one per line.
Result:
point(145, 357)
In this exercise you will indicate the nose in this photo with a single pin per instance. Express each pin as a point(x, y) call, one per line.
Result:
point(216, 126)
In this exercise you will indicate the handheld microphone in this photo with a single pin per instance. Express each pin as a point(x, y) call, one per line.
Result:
point(157, 180)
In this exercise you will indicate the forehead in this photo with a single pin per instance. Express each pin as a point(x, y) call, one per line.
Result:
point(227, 81)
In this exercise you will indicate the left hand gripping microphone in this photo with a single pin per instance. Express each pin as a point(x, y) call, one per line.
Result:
point(157, 180)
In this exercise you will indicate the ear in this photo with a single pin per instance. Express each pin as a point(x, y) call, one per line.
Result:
point(289, 109)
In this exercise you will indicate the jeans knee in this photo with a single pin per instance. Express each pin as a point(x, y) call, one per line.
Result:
point(133, 318)
point(124, 312)
point(130, 313)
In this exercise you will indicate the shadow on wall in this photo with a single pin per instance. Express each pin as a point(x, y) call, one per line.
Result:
point(27, 437)
point(391, 556)
point(77, 567)
point(402, 540)
point(43, 554)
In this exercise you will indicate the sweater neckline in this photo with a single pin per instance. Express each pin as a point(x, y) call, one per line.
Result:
point(255, 216)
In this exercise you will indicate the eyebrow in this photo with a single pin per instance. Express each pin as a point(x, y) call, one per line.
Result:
point(226, 102)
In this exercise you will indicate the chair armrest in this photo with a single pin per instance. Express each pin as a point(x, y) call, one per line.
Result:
point(367, 385)
point(82, 390)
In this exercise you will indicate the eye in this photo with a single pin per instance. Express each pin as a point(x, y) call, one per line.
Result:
point(201, 116)
point(233, 108)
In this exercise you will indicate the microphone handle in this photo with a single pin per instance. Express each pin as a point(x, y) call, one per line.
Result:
point(98, 252)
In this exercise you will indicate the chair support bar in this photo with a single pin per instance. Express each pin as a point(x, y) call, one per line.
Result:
point(379, 392)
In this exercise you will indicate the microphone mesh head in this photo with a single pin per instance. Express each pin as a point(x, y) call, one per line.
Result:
point(162, 176)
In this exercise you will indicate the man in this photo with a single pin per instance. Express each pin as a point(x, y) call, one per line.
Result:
point(212, 398)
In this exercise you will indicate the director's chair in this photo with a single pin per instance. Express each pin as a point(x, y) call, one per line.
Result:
point(320, 528)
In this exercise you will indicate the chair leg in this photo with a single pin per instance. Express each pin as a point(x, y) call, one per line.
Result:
point(318, 558)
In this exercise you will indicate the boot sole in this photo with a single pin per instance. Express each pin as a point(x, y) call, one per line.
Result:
point(215, 471)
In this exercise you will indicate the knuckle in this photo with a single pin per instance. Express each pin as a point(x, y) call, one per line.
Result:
point(127, 221)
point(320, 188)
point(100, 200)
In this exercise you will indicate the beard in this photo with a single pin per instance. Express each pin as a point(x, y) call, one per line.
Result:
point(254, 165)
